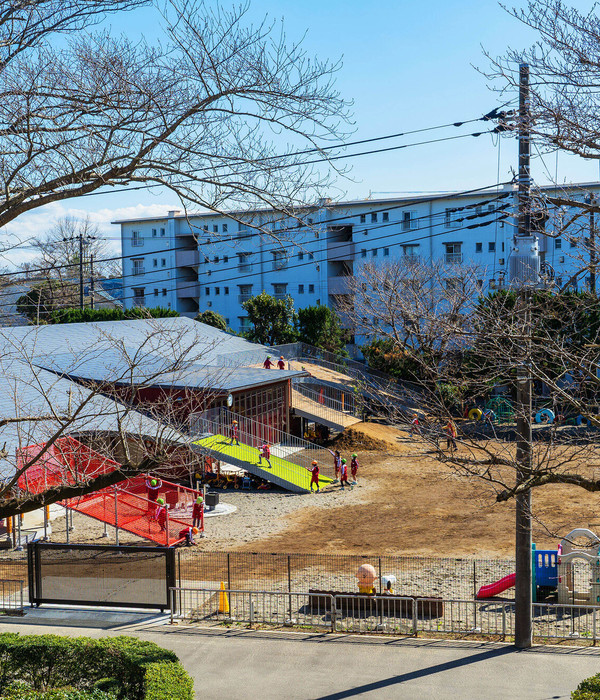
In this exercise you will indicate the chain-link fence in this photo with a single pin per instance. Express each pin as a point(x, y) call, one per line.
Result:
point(415, 576)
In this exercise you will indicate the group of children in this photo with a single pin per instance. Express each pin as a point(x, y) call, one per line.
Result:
point(341, 471)
point(268, 363)
point(153, 486)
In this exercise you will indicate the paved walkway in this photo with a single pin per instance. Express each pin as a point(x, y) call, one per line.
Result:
point(293, 665)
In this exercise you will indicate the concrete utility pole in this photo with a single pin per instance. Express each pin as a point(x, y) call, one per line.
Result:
point(592, 246)
point(525, 269)
point(92, 281)
point(80, 271)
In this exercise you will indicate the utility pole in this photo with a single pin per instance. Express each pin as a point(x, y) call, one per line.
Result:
point(92, 281)
point(80, 236)
point(525, 270)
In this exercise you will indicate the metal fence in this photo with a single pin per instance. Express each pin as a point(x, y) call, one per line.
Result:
point(11, 597)
point(326, 397)
point(393, 615)
point(415, 576)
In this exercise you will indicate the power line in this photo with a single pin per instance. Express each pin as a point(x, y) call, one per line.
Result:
point(243, 236)
point(193, 283)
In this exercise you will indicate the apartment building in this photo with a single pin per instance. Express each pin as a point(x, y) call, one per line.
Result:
point(216, 261)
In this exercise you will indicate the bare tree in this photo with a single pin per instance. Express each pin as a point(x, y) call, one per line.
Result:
point(216, 112)
point(59, 249)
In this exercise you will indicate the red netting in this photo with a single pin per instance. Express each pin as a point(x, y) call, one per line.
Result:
point(125, 506)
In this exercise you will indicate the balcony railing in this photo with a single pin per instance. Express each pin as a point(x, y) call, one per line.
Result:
point(453, 258)
point(280, 295)
point(187, 258)
point(137, 242)
point(139, 301)
point(138, 271)
point(244, 297)
point(244, 267)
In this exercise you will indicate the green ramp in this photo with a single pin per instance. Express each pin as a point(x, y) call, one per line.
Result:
point(284, 473)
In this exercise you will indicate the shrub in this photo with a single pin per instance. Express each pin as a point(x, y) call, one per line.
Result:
point(163, 681)
point(73, 315)
point(588, 689)
point(121, 667)
point(20, 691)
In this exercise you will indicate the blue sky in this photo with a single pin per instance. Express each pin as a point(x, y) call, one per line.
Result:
point(406, 65)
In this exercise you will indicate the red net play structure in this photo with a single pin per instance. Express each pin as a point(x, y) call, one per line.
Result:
point(125, 506)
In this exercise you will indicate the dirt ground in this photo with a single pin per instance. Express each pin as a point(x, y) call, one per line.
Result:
point(406, 503)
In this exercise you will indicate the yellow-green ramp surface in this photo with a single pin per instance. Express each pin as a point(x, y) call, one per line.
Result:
point(284, 473)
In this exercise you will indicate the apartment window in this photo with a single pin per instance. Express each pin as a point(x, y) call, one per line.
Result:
point(155, 262)
point(374, 218)
point(280, 259)
point(311, 256)
point(207, 291)
point(408, 220)
point(245, 293)
point(451, 218)
point(363, 253)
point(227, 321)
point(479, 285)
point(138, 296)
point(557, 243)
point(491, 208)
point(500, 261)
point(453, 252)
point(386, 252)
point(559, 282)
point(217, 291)
point(215, 229)
point(226, 258)
point(311, 288)
point(244, 323)
point(216, 259)
point(411, 251)
point(162, 233)
point(209, 304)
point(225, 290)
point(300, 289)
point(136, 239)
point(137, 266)
point(478, 247)
point(300, 256)
point(156, 292)
point(225, 231)
point(573, 242)
point(279, 291)
point(363, 218)
point(561, 259)
point(453, 284)
point(491, 247)
point(503, 246)
point(153, 233)
point(164, 292)
point(385, 216)
point(244, 264)
point(374, 252)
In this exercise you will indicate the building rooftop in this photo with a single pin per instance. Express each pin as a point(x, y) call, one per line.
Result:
point(167, 352)
point(409, 197)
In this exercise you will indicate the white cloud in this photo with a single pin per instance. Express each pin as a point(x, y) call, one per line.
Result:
point(38, 221)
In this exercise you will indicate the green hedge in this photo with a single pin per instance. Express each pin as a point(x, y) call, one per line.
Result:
point(87, 314)
point(589, 689)
point(20, 691)
point(129, 668)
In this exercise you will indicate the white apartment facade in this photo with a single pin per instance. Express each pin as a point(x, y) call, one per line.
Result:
point(216, 261)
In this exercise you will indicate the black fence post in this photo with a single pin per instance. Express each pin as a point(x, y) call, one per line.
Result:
point(289, 572)
point(228, 571)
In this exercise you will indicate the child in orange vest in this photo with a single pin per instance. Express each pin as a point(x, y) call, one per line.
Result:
point(266, 453)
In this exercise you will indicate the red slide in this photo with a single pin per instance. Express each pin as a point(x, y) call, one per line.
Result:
point(493, 589)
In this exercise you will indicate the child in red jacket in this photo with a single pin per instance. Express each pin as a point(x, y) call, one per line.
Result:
point(266, 453)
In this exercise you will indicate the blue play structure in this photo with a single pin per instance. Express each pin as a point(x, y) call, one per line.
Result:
point(545, 570)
